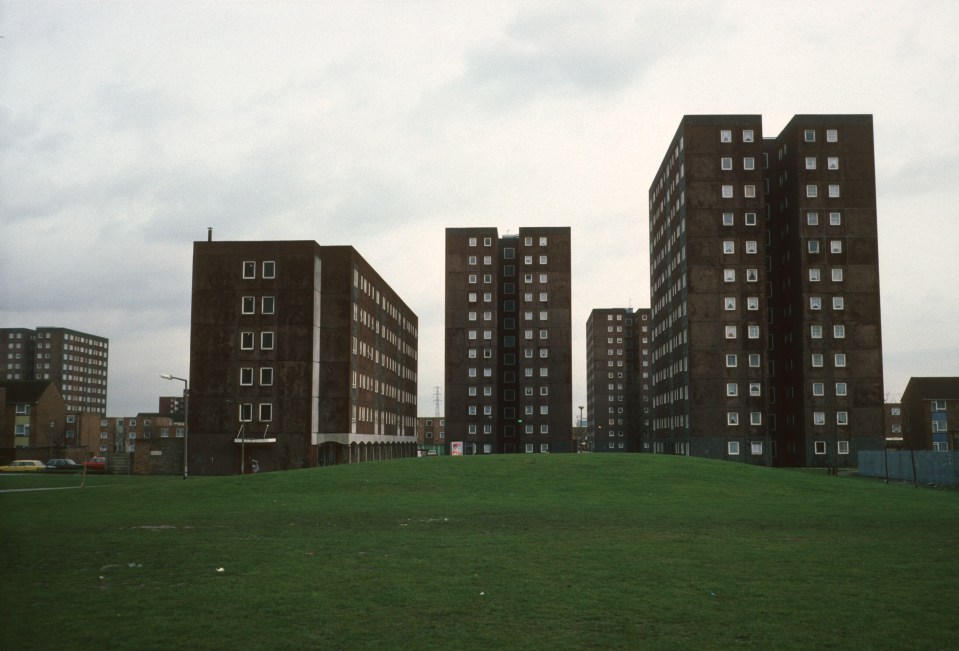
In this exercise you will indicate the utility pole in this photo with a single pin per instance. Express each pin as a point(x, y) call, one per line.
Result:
point(437, 401)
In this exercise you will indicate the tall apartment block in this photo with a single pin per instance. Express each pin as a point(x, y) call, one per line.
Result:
point(618, 379)
point(300, 355)
point(76, 362)
point(508, 340)
point(824, 256)
point(764, 284)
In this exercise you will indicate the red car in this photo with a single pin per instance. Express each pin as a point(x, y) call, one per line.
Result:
point(96, 464)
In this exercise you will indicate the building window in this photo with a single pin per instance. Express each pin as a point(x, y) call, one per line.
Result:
point(833, 191)
point(815, 303)
point(732, 418)
point(726, 163)
point(752, 247)
point(248, 305)
point(266, 340)
point(749, 191)
point(246, 412)
point(814, 275)
point(729, 275)
point(249, 269)
point(725, 135)
point(731, 360)
point(835, 219)
point(246, 341)
point(747, 135)
point(269, 304)
point(750, 219)
point(810, 162)
point(842, 418)
point(269, 269)
point(812, 219)
point(749, 163)
point(812, 191)
point(815, 332)
point(838, 303)
point(812, 246)
point(754, 360)
point(755, 389)
point(755, 418)
point(729, 247)
point(839, 332)
point(832, 135)
point(817, 360)
point(266, 376)
point(753, 331)
point(729, 303)
point(728, 219)
point(727, 191)
point(732, 448)
point(819, 418)
point(818, 389)
point(732, 389)
point(841, 388)
point(752, 302)
point(835, 246)
point(837, 275)
point(730, 332)
point(840, 360)
point(246, 377)
point(756, 447)
point(832, 163)
point(809, 135)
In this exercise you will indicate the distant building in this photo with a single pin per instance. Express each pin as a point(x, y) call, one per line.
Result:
point(431, 434)
point(171, 406)
point(892, 418)
point(765, 295)
point(930, 414)
point(300, 355)
point(33, 417)
point(617, 379)
point(76, 362)
point(508, 340)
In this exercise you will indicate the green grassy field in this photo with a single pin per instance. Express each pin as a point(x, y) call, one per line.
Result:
point(501, 552)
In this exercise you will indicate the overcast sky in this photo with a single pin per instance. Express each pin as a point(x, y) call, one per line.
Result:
point(128, 128)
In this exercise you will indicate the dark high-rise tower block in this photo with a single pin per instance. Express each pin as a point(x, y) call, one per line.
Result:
point(765, 293)
point(508, 340)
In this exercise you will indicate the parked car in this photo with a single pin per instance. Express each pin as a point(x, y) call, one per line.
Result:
point(23, 465)
point(96, 464)
point(63, 465)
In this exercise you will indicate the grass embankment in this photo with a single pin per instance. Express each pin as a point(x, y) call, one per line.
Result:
point(538, 552)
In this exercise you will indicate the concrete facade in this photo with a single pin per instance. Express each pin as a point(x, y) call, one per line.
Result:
point(508, 371)
point(764, 284)
point(301, 355)
point(617, 379)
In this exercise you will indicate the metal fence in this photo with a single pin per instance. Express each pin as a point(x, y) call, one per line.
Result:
point(923, 467)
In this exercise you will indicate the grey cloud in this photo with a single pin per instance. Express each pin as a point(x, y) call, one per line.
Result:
point(571, 50)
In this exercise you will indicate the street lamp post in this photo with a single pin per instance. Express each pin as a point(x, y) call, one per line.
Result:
point(186, 419)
